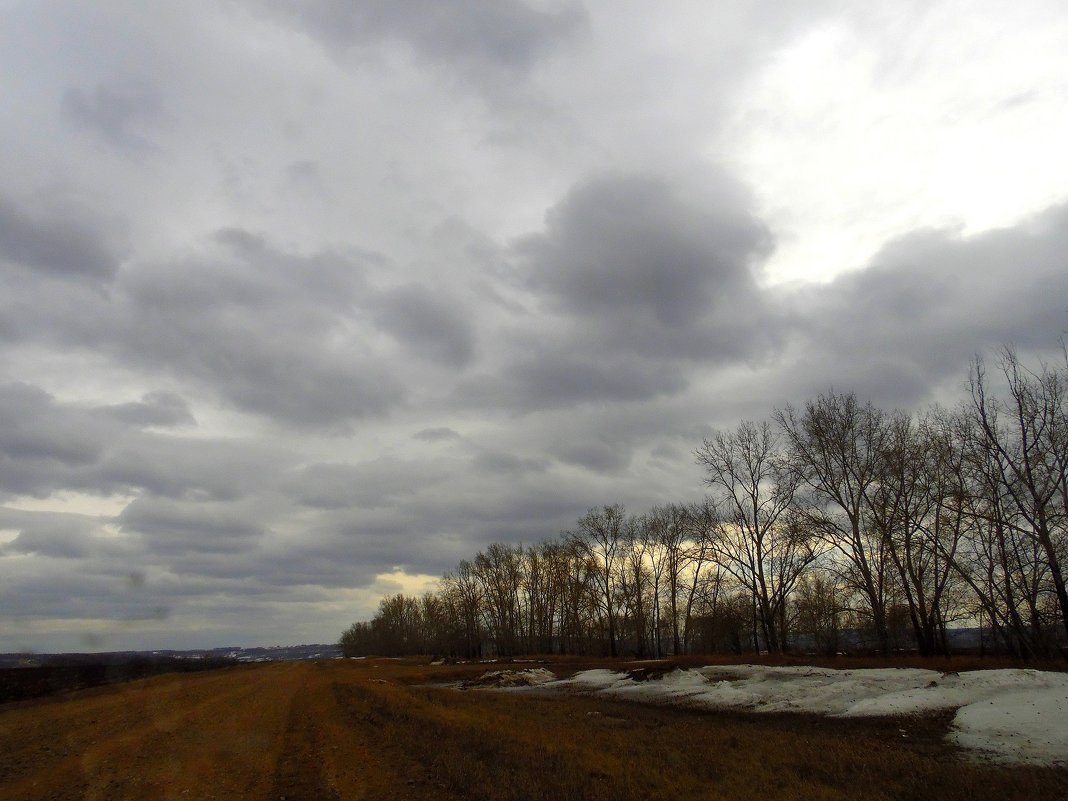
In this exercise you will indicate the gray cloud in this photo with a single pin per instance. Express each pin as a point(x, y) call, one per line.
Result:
point(639, 281)
point(630, 246)
point(470, 35)
point(376, 483)
point(189, 468)
point(41, 448)
point(557, 379)
point(644, 268)
point(927, 303)
point(52, 536)
point(436, 434)
point(171, 527)
point(429, 323)
point(56, 244)
point(498, 463)
point(159, 409)
point(47, 446)
point(268, 331)
point(120, 113)
point(602, 456)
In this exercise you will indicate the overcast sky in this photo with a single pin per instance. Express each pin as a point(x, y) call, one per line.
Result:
point(302, 302)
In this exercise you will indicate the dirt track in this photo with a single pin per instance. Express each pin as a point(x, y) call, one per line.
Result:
point(256, 733)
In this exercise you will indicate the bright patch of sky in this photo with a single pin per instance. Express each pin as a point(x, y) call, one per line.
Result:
point(901, 117)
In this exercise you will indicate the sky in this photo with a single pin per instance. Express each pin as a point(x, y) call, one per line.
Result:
point(301, 303)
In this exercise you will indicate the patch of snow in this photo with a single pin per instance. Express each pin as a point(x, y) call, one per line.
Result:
point(1027, 725)
point(597, 679)
point(1019, 715)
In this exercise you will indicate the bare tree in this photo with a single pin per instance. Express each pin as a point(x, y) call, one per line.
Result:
point(921, 530)
point(758, 541)
point(819, 609)
point(499, 569)
point(463, 592)
point(1025, 442)
point(650, 550)
point(835, 446)
point(703, 577)
point(997, 559)
point(600, 537)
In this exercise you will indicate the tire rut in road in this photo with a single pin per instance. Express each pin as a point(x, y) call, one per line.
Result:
point(301, 772)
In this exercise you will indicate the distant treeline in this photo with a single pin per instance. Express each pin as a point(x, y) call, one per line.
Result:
point(832, 516)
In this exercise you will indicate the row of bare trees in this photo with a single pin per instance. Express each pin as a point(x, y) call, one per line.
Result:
point(834, 516)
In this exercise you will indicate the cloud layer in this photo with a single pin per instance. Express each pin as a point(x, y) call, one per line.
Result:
point(301, 303)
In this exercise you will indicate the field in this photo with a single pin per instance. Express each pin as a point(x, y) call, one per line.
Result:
point(378, 729)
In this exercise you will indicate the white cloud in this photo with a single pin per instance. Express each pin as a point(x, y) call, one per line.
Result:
point(901, 117)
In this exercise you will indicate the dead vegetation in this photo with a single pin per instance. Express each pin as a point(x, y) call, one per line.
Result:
point(380, 729)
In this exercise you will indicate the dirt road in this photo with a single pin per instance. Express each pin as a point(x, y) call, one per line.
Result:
point(262, 732)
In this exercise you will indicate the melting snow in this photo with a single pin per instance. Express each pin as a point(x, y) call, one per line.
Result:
point(1011, 715)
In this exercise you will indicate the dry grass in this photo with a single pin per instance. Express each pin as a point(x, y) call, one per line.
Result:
point(507, 746)
point(380, 729)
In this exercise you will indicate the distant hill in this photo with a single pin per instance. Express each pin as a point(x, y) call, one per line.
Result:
point(276, 653)
point(24, 676)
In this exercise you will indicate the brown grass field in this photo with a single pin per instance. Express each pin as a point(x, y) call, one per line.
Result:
point(379, 729)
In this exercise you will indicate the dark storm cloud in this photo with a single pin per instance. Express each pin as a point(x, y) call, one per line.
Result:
point(120, 113)
point(429, 323)
point(54, 243)
point(470, 35)
point(927, 303)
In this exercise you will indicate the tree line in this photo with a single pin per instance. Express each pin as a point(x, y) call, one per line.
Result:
point(834, 517)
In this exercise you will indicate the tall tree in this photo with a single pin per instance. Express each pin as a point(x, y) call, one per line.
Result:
point(921, 529)
point(758, 541)
point(835, 446)
point(600, 537)
point(1025, 441)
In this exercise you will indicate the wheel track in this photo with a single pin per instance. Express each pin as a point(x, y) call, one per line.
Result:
point(302, 774)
